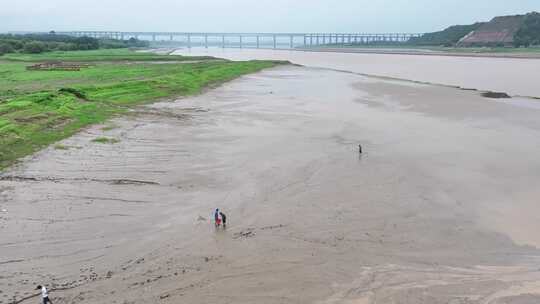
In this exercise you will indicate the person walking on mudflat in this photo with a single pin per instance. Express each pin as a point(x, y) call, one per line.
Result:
point(44, 294)
point(223, 219)
point(217, 219)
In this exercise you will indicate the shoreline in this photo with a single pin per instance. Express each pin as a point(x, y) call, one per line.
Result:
point(420, 52)
point(384, 51)
point(59, 104)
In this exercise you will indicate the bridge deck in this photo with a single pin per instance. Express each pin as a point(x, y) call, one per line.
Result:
point(257, 40)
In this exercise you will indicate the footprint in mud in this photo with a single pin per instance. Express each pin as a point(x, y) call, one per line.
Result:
point(247, 233)
point(273, 227)
point(195, 109)
point(212, 258)
point(250, 232)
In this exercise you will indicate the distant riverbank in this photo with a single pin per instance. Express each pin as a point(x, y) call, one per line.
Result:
point(453, 52)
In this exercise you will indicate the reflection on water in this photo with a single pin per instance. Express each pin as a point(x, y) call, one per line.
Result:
point(514, 76)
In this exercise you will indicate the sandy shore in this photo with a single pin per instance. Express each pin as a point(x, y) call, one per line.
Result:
point(427, 52)
point(441, 207)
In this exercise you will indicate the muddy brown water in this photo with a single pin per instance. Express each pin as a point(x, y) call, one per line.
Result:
point(515, 76)
point(440, 208)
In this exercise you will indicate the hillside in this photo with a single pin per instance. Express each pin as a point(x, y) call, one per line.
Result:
point(447, 37)
point(499, 31)
point(529, 33)
point(515, 30)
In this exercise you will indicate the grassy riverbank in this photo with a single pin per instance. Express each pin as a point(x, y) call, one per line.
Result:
point(100, 55)
point(38, 108)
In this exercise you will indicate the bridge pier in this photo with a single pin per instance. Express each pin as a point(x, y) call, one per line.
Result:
point(240, 41)
point(275, 42)
point(206, 41)
point(257, 41)
point(189, 41)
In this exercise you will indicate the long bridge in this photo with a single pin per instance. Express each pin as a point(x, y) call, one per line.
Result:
point(252, 40)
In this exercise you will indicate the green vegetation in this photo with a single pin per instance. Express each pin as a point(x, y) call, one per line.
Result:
point(109, 127)
point(40, 43)
point(99, 55)
point(529, 33)
point(447, 37)
point(38, 108)
point(35, 44)
point(487, 50)
point(105, 140)
point(64, 147)
point(61, 147)
point(118, 44)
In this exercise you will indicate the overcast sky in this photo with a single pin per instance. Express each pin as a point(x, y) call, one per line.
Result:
point(253, 15)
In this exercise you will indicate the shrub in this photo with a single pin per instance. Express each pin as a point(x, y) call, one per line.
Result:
point(87, 43)
point(5, 48)
point(34, 47)
point(529, 33)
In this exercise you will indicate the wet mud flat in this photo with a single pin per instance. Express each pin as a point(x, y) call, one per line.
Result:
point(440, 208)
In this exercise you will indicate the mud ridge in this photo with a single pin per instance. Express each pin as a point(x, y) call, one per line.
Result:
point(121, 181)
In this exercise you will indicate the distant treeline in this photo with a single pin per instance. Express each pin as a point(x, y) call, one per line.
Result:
point(447, 37)
point(529, 33)
point(39, 43)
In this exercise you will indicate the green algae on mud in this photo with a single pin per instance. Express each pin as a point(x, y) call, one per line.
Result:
point(106, 140)
point(38, 108)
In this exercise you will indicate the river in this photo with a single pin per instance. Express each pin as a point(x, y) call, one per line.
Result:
point(515, 76)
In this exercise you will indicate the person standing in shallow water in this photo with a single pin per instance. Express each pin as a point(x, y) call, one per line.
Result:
point(44, 294)
point(217, 219)
point(223, 218)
